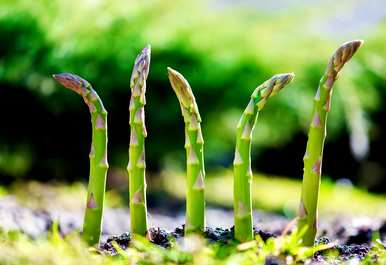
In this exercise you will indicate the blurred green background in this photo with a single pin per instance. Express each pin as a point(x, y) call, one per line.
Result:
point(224, 48)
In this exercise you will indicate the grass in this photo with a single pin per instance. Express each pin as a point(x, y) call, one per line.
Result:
point(282, 195)
point(52, 250)
point(55, 250)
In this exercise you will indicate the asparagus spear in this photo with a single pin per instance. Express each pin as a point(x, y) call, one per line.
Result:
point(137, 165)
point(194, 145)
point(242, 160)
point(317, 133)
point(98, 155)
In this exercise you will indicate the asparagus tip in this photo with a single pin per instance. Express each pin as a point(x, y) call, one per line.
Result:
point(284, 79)
point(181, 87)
point(344, 53)
point(143, 58)
point(173, 74)
point(175, 77)
point(142, 63)
point(354, 43)
point(71, 81)
point(280, 81)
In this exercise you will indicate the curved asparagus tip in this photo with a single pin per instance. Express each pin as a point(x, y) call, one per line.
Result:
point(137, 164)
point(72, 81)
point(242, 159)
point(270, 88)
point(341, 56)
point(308, 209)
point(183, 91)
point(194, 145)
point(93, 217)
point(279, 81)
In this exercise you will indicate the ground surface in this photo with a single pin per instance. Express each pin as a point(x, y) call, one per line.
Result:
point(35, 222)
point(34, 210)
point(351, 237)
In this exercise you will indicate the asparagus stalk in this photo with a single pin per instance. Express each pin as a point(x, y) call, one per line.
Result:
point(308, 213)
point(92, 224)
point(194, 145)
point(242, 161)
point(137, 165)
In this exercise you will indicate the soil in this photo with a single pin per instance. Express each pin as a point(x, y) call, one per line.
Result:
point(356, 247)
point(353, 235)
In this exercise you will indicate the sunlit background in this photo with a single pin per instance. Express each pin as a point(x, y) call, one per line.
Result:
point(225, 49)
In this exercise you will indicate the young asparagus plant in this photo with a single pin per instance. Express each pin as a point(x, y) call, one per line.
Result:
point(98, 155)
point(316, 135)
point(194, 145)
point(137, 165)
point(242, 160)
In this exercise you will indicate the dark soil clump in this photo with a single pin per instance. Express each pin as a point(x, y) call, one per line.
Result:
point(123, 241)
point(219, 235)
point(342, 252)
point(363, 236)
point(178, 232)
point(353, 251)
point(159, 237)
point(265, 235)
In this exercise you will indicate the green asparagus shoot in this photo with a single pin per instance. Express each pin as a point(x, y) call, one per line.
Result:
point(308, 209)
point(194, 145)
point(92, 224)
point(242, 161)
point(137, 164)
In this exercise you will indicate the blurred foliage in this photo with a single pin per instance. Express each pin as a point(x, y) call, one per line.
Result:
point(282, 195)
point(46, 196)
point(270, 193)
point(224, 52)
